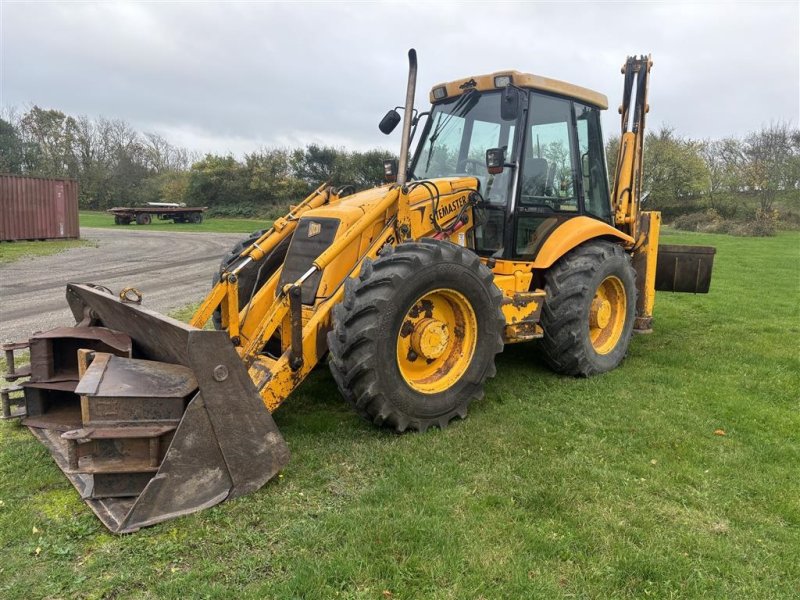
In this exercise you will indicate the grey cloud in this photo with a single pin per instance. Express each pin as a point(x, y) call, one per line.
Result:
point(232, 77)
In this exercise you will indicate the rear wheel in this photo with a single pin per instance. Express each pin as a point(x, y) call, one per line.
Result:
point(143, 219)
point(589, 309)
point(196, 217)
point(415, 337)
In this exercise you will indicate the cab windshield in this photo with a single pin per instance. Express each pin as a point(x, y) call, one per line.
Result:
point(457, 136)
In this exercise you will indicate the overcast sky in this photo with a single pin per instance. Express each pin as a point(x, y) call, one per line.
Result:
point(235, 77)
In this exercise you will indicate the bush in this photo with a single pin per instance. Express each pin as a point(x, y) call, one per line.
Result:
point(248, 210)
point(762, 224)
point(708, 221)
point(788, 219)
point(765, 224)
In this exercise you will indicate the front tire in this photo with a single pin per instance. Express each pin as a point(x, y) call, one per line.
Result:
point(415, 337)
point(589, 309)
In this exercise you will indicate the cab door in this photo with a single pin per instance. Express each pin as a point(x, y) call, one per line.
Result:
point(549, 187)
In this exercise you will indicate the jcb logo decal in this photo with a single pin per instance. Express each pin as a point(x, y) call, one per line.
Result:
point(314, 229)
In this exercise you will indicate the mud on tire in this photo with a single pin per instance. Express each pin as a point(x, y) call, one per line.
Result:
point(571, 285)
point(364, 340)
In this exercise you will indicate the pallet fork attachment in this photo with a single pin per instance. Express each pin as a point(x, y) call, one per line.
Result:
point(178, 429)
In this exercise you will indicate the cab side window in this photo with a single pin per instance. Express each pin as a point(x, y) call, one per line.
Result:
point(548, 170)
point(593, 164)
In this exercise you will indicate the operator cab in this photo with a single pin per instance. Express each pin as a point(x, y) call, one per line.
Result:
point(543, 143)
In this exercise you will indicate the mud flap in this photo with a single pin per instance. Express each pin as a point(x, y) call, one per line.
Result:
point(225, 445)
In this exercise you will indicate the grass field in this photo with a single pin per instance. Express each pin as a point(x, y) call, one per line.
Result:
point(12, 251)
point(611, 487)
point(103, 219)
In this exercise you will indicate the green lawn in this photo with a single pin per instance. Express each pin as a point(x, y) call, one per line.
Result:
point(609, 487)
point(11, 251)
point(104, 219)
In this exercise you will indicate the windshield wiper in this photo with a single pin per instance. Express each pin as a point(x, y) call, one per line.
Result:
point(464, 103)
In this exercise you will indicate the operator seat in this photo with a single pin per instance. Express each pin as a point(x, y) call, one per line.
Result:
point(535, 177)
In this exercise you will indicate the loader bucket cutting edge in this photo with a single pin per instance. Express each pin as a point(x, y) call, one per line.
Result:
point(176, 429)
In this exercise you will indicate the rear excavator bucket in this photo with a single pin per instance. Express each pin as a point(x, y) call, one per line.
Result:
point(149, 418)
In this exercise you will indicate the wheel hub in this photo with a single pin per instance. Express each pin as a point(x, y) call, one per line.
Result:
point(436, 341)
point(607, 315)
point(430, 338)
point(600, 314)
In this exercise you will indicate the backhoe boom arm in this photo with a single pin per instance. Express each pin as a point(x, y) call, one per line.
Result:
point(626, 195)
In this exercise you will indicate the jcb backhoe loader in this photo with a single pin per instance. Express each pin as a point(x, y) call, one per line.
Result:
point(500, 229)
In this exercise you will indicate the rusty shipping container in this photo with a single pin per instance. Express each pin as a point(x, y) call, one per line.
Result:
point(38, 208)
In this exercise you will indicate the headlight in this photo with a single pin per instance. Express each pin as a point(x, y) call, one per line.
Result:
point(502, 81)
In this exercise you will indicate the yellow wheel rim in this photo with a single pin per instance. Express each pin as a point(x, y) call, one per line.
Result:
point(607, 315)
point(436, 341)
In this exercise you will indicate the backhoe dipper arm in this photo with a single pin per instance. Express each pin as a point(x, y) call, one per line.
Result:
point(626, 195)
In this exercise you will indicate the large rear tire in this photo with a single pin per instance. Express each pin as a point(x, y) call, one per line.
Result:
point(254, 275)
point(415, 337)
point(589, 309)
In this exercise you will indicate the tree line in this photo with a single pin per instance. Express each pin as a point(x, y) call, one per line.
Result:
point(736, 178)
point(115, 165)
point(756, 176)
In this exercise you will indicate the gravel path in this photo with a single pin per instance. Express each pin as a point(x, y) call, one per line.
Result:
point(171, 269)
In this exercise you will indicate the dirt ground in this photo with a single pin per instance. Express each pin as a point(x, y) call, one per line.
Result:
point(171, 270)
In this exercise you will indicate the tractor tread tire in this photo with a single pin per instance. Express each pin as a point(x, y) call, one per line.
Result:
point(570, 287)
point(357, 332)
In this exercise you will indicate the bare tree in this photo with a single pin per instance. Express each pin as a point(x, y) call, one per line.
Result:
point(770, 162)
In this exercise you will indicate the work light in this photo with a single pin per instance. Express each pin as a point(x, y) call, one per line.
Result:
point(390, 169)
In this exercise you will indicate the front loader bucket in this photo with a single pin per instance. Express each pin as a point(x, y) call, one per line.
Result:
point(160, 420)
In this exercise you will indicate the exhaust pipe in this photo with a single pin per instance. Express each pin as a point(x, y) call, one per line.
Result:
point(408, 115)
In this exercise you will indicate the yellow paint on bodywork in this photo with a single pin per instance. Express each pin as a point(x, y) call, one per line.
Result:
point(521, 306)
point(524, 80)
point(571, 234)
point(522, 311)
point(645, 258)
point(274, 378)
point(221, 293)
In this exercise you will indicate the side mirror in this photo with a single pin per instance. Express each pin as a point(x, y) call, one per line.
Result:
point(389, 122)
point(509, 104)
point(495, 160)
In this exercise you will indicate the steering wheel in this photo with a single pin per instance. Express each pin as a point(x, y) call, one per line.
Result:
point(462, 164)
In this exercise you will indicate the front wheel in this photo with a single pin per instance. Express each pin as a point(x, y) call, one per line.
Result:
point(415, 337)
point(589, 309)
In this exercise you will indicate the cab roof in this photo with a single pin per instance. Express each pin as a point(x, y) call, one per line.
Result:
point(524, 80)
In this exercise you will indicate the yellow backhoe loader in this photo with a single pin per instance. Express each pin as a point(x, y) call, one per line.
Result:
point(500, 228)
